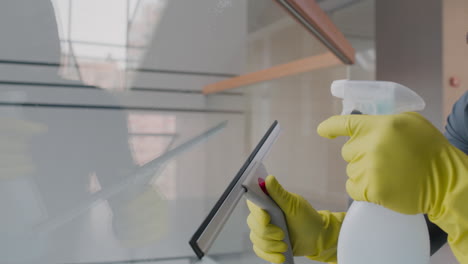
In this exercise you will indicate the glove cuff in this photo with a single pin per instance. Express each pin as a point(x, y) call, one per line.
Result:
point(450, 209)
point(327, 241)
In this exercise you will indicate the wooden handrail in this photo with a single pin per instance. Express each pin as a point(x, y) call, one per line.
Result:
point(313, 18)
point(291, 68)
point(309, 14)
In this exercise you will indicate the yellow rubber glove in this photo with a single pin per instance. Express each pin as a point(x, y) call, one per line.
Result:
point(404, 163)
point(313, 234)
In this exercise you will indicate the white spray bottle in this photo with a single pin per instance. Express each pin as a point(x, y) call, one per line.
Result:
point(371, 233)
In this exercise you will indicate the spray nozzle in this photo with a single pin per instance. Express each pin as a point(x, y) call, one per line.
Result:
point(376, 97)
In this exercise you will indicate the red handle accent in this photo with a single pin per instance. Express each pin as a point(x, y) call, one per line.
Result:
point(262, 184)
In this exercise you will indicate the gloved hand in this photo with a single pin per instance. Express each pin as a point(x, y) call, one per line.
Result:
point(312, 234)
point(404, 163)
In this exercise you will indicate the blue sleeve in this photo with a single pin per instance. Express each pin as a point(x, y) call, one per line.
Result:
point(456, 130)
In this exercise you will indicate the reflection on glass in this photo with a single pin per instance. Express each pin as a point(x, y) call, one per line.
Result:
point(102, 40)
point(150, 135)
point(56, 164)
point(73, 136)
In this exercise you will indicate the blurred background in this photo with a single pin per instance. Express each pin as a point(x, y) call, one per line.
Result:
point(113, 151)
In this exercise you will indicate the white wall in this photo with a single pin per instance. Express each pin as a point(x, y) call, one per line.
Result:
point(409, 49)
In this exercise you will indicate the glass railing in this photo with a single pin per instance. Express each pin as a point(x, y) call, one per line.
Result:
point(111, 153)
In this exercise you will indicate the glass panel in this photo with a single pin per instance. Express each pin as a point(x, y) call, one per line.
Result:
point(357, 22)
point(92, 93)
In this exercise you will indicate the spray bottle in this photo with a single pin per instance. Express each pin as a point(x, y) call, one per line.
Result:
point(371, 233)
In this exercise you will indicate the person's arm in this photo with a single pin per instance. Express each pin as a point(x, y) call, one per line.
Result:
point(456, 132)
point(405, 164)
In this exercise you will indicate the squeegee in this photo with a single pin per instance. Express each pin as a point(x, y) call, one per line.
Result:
point(249, 181)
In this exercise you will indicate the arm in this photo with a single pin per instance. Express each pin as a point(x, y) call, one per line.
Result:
point(405, 164)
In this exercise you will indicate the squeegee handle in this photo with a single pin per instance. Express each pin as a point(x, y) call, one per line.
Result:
point(257, 194)
point(278, 219)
